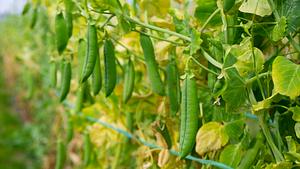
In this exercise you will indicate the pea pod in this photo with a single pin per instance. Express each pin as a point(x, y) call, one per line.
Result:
point(53, 73)
point(128, 81)
point(80, 97)
point(34, 17)
point(96, 77)
point(26, 8)
point(110, 67)
point(151, 64)
point(87, 149)
point(227, 5)
point(91, 53)
point(173, 86)
point(251, 154)
point(60, 155)
point(69, 129)
point(61, 33)
point(66, 80)
point(69, 16)
point(189, 115)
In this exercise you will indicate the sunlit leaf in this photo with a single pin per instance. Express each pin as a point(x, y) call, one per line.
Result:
point(296, 113)
point(286, 77)
point(210, 137)
point(297, 129)
point(231, 155)
point(257, 7)
point(278, 31)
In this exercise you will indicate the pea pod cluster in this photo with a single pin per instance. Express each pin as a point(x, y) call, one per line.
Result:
point(189, 115)
point(109, 67)
point(91, 53)
point(128, 81)
point(151, 64)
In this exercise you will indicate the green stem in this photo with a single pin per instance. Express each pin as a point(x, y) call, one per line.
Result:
point(294, 44)
point(278, 156)
point(138, 22)
point(211, 59)
point(225, 29)
point(106, 21)
point(251, 80)
point(205, 68)
point(209, 19)
point(159, 38)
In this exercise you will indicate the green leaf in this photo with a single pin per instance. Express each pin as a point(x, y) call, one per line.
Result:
point(243, 53)
point(296, 113)
point(257, 7)
point(297, 129)
point(280, 165)
point(290, 9)
point(278, 31)
point(234, 129)
point(286, 77)
point(235, 93)
point(231, 155)
point(196, 42)
point(291, 144)
point(266, 103)
point(204, 9)
point(210, 137)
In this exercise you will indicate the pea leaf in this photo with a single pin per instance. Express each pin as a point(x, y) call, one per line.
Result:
point(257, 7)
point(234, 129)
point(286, 77)
point(231, 155)
point(204, 10)
point(196, 42)
point(290, 9)
point(278, 31)
point(243, 53)
point(297, 129)
point(296, 113)
point(210, 137)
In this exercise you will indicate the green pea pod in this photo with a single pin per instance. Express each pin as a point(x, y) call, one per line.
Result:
point(96, 77)
point(26, 8)
point(53, 74)
point(173, 86)
point(161, 127)
point(227, 5)
point(128, 81)
point(129, 121)
point(87, 149)
point(91, 53)
point(66, 80)
point(61, 33)
point(70, 131)
point(34, 17)
point(69, 16)
point(80, 97)
point(189, 115)
point(60, 155)
point(251, 154)
point(110, 67)
point(151, 64)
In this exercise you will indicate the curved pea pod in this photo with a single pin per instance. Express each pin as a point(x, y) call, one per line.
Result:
point(53, 73)
point(96, 77)
point(110, 67)
point(69, 129)
point(60, 155)
point(87, 149)
point(227, 5)
point(128, 81)
point(91, 53)
point(69, 16)
point(34, 17)
point(66, 80)
point(61, 33)
point(161, 128)
point(151, 64)
point(173, 86)
point(189, 115)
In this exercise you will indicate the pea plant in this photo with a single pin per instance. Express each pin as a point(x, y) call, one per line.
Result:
point(170, 83)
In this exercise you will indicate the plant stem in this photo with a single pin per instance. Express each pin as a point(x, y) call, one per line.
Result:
point(205, 68)
point(136, 21)
point(209, 19)
point(294, 44)
point(211, 59)
point(159, 38)
point(251, 80)
point(225, 29)
point(278, 156)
